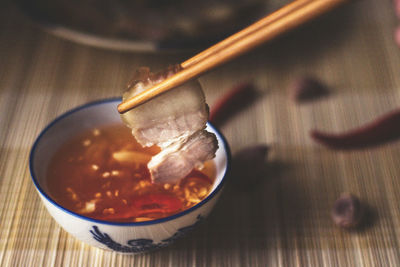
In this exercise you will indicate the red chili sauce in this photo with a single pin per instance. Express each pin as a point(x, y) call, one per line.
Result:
point(102, 174)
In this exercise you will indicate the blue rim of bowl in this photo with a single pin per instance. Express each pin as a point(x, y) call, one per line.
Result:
point(103, 101)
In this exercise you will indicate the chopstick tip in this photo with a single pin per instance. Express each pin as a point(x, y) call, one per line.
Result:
point(121, 109)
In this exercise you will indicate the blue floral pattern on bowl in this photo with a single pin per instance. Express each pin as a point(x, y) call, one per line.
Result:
point(141, 244)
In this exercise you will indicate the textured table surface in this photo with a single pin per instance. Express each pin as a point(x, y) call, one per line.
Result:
point(285, 219)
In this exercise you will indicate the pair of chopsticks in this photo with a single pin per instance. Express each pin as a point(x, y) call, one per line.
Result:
point(282, 20)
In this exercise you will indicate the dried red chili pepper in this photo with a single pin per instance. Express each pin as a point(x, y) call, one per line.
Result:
point(397, 33)
point(141, 206)
point(397, 7)
point(380, 131)
point(154, 203)
point(232, 102)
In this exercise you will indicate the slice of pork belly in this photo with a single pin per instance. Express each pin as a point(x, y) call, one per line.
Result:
point(179, 158)
point(176, 113)
point(175, 121)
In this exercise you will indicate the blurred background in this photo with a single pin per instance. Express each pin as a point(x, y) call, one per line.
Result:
point(145, 25)
point(56, 55)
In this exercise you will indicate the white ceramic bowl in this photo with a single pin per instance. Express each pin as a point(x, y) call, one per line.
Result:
point(135, 237)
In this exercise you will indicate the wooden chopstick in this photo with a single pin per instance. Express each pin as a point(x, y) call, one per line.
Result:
point(253, 36)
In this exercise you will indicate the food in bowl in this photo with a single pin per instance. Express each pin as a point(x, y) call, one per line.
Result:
point(102, 186)
point(123, 237)
point(110, 175)
point(102, 173)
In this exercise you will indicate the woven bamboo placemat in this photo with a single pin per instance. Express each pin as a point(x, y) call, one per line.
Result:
point(284, 220)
